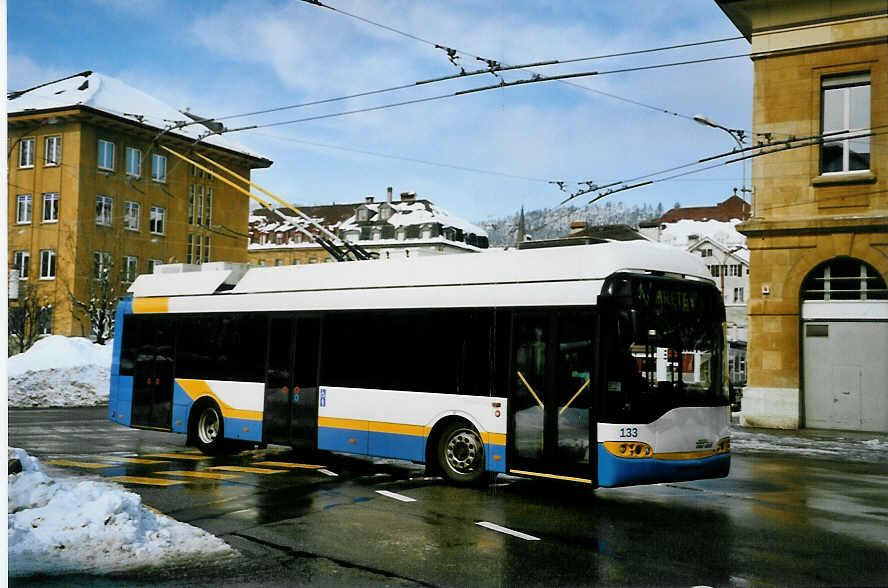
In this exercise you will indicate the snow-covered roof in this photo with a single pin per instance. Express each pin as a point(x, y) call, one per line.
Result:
point(684, 232)
point(110, 95)
point(417, 212)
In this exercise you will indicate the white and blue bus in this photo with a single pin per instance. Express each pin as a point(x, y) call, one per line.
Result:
point(603, 364)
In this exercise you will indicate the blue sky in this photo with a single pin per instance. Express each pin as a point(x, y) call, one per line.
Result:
point(224, 58)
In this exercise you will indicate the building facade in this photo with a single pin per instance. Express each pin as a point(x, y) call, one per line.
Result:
point(93, 192)
point(393, 229)
point(818, 235)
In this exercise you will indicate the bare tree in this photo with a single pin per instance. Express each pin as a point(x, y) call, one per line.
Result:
point(29, 317)
point(98, 304)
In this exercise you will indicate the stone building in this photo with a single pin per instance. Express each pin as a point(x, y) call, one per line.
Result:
point(818, 234)
point(92, 188)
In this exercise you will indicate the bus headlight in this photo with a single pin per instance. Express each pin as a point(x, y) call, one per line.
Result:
point(629, 449)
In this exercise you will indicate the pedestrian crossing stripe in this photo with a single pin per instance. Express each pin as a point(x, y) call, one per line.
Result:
point(79, 464)
point(147, 481)
point(205, 475)
point(179, 455)
point(246, 469)
point(131, 459)
point(284, 464)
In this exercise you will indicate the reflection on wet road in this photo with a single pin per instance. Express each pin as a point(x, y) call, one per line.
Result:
point(301, 517)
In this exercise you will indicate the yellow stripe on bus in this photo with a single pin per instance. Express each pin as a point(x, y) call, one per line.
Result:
point(396, 428)
point(552, 476)
point(197, 388)
point(150, 305)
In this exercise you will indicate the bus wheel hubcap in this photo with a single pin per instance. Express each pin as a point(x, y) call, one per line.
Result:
point(208, 426)
point(463, 450)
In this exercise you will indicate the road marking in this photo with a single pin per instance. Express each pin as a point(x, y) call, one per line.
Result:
point(207, 475)
point(147, 481)
point(284, 464)
point(246, 469)
point(131, 459)
point(507, 531)
point(327, 472)
point(396, 496)
point(179, 456)
point(79, 464)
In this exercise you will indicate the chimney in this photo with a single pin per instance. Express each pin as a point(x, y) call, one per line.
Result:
point(388, 195)
point(577, 227)
point(368, 199)
point(408, 196)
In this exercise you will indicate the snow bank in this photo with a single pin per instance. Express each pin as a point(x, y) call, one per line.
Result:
point(72, 525)
point(851, 447)
point(60, 371)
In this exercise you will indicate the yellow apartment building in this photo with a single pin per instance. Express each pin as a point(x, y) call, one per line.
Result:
point(92, 187)
point(818, 234)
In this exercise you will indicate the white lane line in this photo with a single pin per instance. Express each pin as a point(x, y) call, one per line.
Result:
point(495, 527)
point(328, 472)
point(396, 496)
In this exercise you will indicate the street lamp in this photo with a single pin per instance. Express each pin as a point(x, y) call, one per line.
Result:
point(738, 135)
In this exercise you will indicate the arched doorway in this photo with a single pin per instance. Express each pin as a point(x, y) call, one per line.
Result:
point(845, 346)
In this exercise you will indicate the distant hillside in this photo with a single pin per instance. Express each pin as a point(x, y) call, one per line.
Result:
point(551, 223)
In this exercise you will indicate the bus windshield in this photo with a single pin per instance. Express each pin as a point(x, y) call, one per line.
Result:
point(666, 349)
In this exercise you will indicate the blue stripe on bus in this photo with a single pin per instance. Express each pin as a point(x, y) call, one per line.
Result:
point(181, 408)
point(242, 429)
point(492, 450)
point(397, 446)
point(620, 471)
point(124, 307)
point(121, 407)
point(345, 440)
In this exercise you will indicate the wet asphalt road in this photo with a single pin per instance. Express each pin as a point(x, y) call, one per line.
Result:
point(777, 520)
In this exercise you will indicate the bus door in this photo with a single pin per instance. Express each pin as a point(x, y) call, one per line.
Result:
point(290, 415)
point(553, 391)
point(153, 376)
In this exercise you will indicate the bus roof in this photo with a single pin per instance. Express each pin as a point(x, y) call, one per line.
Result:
point(563, 276)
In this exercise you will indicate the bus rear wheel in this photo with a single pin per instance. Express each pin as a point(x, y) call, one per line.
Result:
point(461, 454)
point(208, 429)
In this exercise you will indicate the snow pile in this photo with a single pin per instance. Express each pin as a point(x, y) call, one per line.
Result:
point(71, 525)
point(60, 371)
point(844, 446)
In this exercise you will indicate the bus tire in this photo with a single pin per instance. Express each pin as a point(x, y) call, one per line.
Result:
point(208, 429)
point(461, 453)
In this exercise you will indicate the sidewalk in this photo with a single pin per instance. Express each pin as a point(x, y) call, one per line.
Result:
point(855, 446)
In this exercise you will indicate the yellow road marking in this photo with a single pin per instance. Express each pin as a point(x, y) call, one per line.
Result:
point(179, 456)
point(131, 459)
point(246, 469)
point(208, 475)
point(79, 464)
point(147, 481)
point(553, 476)
point(283, 464)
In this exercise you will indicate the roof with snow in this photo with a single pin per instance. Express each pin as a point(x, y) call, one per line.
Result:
point(413, 212)
point(98, 92)
point(732, 208)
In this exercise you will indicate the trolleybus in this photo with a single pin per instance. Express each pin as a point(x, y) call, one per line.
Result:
point(603, 364)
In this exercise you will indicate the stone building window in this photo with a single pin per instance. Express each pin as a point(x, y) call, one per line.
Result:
point(845, 105)
point(51, 207)
point(26, 153)
point(23, 209)
point(106, 155)
point(844, 278)
point(52, 150)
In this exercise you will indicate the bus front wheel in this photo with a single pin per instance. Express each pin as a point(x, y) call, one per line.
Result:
point(208, 429)
point(461, 454)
